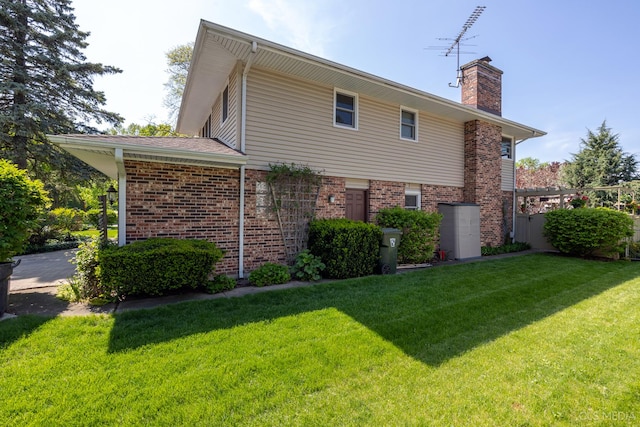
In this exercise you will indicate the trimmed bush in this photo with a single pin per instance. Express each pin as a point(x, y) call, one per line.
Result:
point(582, 232)
point(419, 232)
point(347, 248)
point(158, 266)
point(504, 249)
point(269, 274)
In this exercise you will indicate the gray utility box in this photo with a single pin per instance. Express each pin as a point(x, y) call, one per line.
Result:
point(389, 250)
point(460, 230)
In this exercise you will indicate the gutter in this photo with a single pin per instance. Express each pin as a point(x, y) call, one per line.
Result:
point(243, 143)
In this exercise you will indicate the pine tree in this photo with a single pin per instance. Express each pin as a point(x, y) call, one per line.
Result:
point(46, 85)
point(600, 162)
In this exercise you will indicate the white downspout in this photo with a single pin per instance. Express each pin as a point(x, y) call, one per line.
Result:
point(122, 198)
point(243, 143)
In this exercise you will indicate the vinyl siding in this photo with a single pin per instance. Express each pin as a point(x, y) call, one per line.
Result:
point(507, 175)
point(291, 121)
point(228, 132)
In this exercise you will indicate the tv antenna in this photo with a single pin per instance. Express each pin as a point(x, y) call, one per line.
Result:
point(455, 46)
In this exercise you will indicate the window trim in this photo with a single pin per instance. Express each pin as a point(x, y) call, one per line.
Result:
point(418, 194)
point(224, 104)
point(416, 119)
point(336, 92)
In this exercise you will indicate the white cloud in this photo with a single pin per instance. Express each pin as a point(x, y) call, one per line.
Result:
point(302, 24)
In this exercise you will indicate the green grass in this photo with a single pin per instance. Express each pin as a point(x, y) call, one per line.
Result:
point(112, 233)
point(532, 340)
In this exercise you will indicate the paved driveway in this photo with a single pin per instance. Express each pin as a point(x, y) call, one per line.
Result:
point(42, 270)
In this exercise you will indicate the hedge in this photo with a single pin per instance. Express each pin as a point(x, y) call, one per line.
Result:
point(157, 266)
point(347, 248)
point(583, 231)
point(419, 232)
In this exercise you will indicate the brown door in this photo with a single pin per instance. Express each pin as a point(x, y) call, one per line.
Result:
point(357, 205)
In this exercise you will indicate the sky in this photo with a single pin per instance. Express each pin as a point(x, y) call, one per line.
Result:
point(568, 65)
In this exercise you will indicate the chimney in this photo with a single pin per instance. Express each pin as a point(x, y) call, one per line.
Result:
point(482, 86)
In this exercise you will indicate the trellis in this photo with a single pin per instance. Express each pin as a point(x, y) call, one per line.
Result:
point(294, 190)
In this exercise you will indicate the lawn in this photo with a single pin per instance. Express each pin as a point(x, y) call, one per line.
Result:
point(112, 233)
point(532, 340)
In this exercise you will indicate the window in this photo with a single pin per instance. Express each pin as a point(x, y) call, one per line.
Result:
point(506, 147)
point(408, 124)
point(346, 109)
point(412, 200)
point(225, 104)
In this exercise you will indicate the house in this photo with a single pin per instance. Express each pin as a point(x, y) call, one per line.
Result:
point(250, 103)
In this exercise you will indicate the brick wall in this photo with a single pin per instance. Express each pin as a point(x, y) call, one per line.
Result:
point(384, 194)
point(168, 200)
point(434, 194)
point(331, 186)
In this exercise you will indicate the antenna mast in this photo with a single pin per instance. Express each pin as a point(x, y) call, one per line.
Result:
point(456, 42)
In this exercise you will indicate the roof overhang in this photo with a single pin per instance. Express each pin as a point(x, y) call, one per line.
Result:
point(218, 49)
point(99, 151)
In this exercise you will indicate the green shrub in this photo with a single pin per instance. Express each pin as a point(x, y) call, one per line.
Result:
point(269, 274)
point(158, 266)
point(504, 249)
point(56, 225)
point(347, 248)
point(419, 232)
point(86, 283)
point(21, 201)
point(307, 267)
point(92, 216)
point(581, 232)
point(220, 283)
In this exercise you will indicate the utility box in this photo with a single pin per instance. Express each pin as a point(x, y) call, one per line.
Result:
point(460, 230)
point(389, 250)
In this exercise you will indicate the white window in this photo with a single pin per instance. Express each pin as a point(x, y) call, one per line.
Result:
point(408, 124)
point(225, 104)
point(412, 200)
point(506, 147)
point(345, 109)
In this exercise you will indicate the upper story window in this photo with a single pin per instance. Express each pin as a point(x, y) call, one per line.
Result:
point(225, 104)
point(345, 109)
point(408, 124)
point(506, 147)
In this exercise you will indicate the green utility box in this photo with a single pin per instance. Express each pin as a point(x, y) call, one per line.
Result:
point(389, 250)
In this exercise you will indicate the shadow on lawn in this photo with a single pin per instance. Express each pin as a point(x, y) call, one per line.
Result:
point(432, 315)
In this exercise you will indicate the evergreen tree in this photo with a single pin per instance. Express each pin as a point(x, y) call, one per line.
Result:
point(46, 85)
point(178, 60)
point(600, 162)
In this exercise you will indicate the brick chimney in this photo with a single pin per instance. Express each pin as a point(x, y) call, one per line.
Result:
point(482, 89)
point(482, 86)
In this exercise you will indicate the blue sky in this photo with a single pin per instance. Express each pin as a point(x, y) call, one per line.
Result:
point(568, 64)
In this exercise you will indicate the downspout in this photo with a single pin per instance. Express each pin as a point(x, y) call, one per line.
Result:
point(243, 143)
point(515, 198)
point(122, 197)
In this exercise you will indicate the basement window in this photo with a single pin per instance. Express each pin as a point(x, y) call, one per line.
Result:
point(412, 200)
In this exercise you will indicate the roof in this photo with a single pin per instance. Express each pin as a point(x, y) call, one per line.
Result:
point(218, 49)
point(99, 151)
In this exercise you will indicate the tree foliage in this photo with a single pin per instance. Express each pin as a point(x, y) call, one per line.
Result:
point(150, 129)
point(600, 162)
point(531, 173)
point(46, 85)
point(21, 201)
point(178, 60)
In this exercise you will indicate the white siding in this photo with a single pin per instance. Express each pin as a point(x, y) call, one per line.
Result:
point(507, 175)
point(291, 121)
point(228, 132)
